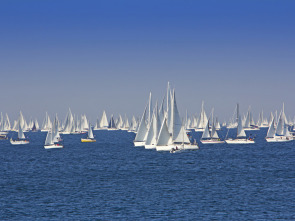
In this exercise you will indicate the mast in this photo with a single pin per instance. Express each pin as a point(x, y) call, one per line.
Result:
point(237, 119)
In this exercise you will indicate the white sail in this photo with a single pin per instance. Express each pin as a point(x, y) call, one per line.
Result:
point(151, 132)
point(126, 123)
point(37, 124)
point(47, 125)
point(240, 129)
point(149, 110)
point(84, 123)
point(7, 125)
point(164, 136)
point(176, 120)
point(247, 121)
point(104, 120)
point(21, 134)
point(142, 130)
point(133, 125)
point(48, 140)
point(55, 130)
point(182, 137)
point(15, 126)
point(169, 109)
point(112, 124)
point(270, 118)
point(161, 111)
point(217, 124)
point(120, 122)
point(202, 118)
point(68, 121)
point(90, 132)
point(271, 130)
point(214, 133)
point(97, 126)
point(206, 133)
point(154, 129)
point(280, 126)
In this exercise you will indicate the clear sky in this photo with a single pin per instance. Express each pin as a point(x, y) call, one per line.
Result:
point(96, 55)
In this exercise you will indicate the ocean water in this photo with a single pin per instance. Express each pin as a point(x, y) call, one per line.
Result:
point(112, 180)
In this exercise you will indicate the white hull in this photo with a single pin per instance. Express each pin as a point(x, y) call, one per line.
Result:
point(199, 130)
point(3, 132)
point(179, 147)
point(150, 146)
point(65, 132)
point(112, 129)
point(164, 148)
point(211, 141)
point(279, 139)
point(139, 143)
point(100, 129)
point(239, 141)
point(191, 147)
point(19, 142)
point(45, 130)
point(53, 146)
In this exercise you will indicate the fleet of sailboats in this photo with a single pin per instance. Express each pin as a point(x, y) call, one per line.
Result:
point(160, 127)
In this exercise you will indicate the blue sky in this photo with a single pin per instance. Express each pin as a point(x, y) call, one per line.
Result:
point(96, 55)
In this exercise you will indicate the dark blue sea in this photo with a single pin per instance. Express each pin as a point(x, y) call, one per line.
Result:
point(112, 180)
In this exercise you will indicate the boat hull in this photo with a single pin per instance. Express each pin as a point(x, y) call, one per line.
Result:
point(3, 132)
point(212, 141)
point(87, 140)
point(19, 142)
point(64, 132)
point(139, 143)
point(53, 146)
point(152, 146)
point(240, 141)
point(199, 130)
point(278, 139)
point(178, 147)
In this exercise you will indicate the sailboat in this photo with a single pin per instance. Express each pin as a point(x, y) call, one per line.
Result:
point(281, 133)
point(90, 137)
point(112, 125)
point(47, 124)
point(133, 125)
point(202, 120)
point(178, 139)
point(126, 124)
point(21, 137)
point(241, 135)
point(249, 122)
point(262, 122)
point(34, 128)
point(103, 124)
point(68, 123)
point(210, 138)
point(50, 143)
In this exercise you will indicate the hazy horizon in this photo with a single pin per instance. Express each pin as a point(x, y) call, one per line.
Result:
point(92, 56)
